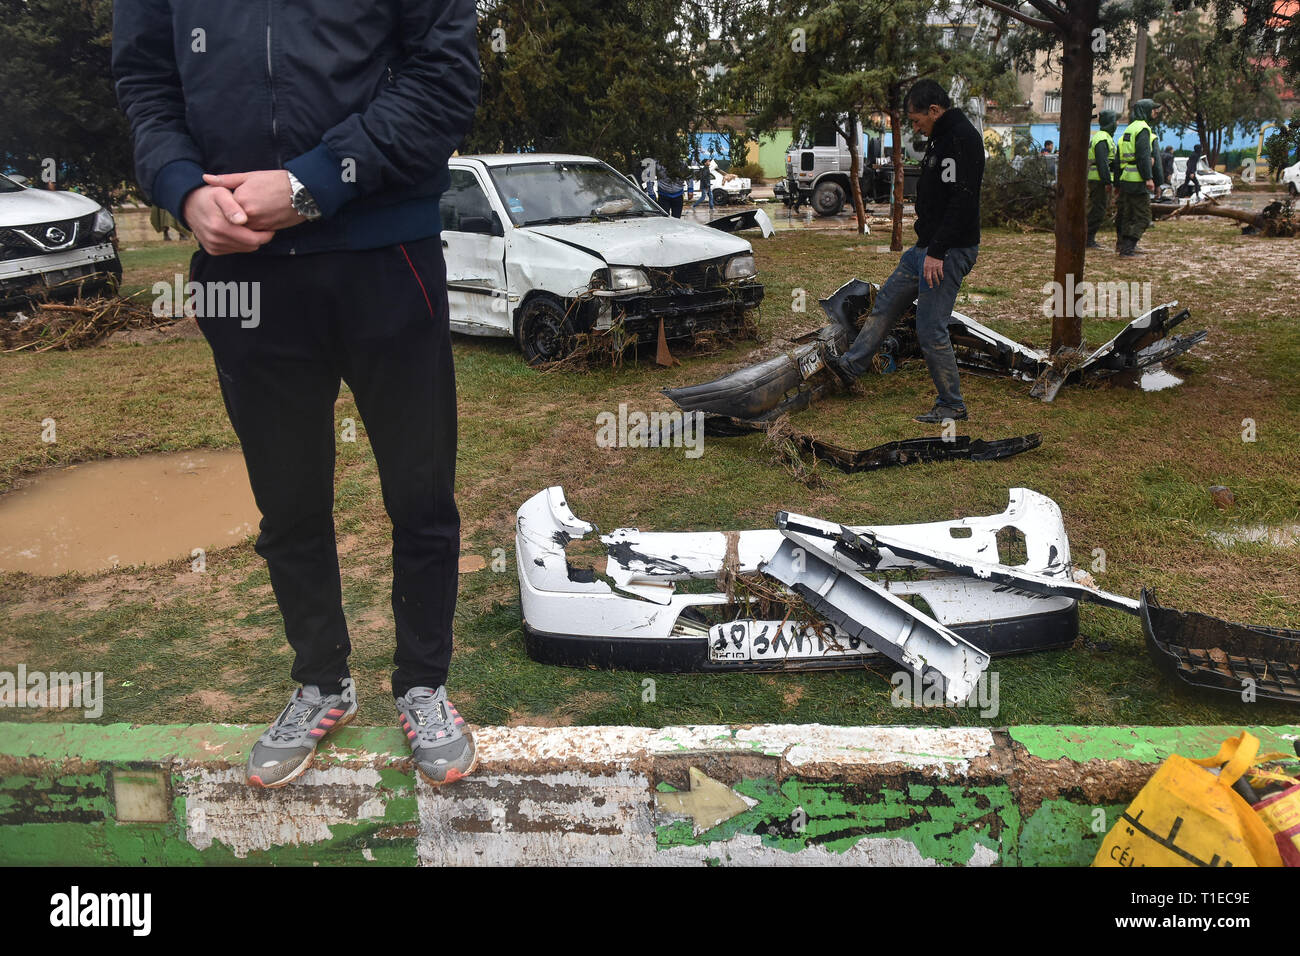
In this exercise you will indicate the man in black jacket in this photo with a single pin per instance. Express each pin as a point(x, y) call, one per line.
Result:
point(305, 143)
point(947, 242)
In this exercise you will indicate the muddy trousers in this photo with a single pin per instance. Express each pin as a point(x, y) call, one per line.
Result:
point(1132, 212)
point(933, 311)
point(1096, 206)
point(376, 319)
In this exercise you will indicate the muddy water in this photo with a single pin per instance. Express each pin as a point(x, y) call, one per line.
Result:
point(124, 511)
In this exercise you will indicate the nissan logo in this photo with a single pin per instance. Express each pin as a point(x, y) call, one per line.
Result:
point(54, 235)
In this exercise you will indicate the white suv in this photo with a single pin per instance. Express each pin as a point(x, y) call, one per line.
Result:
point(53, 243)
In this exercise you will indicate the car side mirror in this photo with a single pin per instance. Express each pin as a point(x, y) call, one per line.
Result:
point(497, 228)
point(477, 224)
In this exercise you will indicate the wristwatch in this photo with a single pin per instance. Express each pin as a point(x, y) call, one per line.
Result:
point(302, 200)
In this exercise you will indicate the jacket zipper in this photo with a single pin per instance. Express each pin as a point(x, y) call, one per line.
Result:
point(270, 81)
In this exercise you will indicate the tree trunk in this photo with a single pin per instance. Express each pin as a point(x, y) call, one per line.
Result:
point(1139, 65)
point(1072, 168)
point(896, 157)
point(1205, 209)
point(855, 175)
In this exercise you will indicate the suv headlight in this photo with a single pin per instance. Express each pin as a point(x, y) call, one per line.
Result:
point(741, 266)
point(628, 279)
point(103, 223)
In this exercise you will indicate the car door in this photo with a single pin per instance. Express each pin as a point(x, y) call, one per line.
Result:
point(473, 244)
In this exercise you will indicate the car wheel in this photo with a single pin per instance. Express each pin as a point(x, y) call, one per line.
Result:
point(544, 332)
point(1291, 188)
point(720, 197)
point(828, 199)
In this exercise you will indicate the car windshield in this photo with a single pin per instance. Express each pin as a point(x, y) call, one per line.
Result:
point(7, 185)
point(559, 191)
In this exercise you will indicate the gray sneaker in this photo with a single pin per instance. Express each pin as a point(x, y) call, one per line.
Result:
point(443, 750)
point(284, 752)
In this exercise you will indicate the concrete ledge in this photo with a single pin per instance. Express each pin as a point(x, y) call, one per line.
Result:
point(785, 794)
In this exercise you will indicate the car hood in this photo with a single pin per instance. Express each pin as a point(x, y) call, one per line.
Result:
point(651, 241)
point(32, 206)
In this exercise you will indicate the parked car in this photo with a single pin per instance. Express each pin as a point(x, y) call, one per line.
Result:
point(726, 188)
point(1291, 179)
point(49, 239)
point(543, 246)
point(1212, 184)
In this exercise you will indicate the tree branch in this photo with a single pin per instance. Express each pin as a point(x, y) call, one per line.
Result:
point(1048, 25)
point(1052, 12)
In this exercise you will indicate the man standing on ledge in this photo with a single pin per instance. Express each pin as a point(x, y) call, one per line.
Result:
point(947, 242)
point(305, 144)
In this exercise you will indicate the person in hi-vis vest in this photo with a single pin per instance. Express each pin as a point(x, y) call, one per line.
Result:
point(1138, 177)
point(1101, 148)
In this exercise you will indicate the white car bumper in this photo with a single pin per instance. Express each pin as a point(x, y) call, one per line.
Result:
point(55, 267)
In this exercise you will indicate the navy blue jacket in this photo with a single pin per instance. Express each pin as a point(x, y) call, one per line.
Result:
point(364, 102)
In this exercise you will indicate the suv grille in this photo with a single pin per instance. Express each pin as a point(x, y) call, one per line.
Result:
point(20, 242)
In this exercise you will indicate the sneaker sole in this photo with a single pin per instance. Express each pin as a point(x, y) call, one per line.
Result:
point(343, 721)
point(452, 775)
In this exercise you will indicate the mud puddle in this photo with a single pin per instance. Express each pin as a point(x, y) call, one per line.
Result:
point(122, 511)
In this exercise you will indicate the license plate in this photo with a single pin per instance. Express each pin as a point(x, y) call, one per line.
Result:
point(774, 641)
point(810, 364)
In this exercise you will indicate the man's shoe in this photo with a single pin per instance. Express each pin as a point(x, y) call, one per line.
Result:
point(941, 413)
point(443, 750)
point(284, 752)
point(836, 365)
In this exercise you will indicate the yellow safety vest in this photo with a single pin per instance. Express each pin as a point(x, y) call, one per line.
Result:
point(1094, 174)
point(1128, 152)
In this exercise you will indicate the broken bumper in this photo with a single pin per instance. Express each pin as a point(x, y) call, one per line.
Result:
point(43, 272)
point(684, 313)
point(650, 611)
point(1245, 660)
point(790, 382)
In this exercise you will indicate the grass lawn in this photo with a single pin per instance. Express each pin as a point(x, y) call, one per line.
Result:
point(1130, 471)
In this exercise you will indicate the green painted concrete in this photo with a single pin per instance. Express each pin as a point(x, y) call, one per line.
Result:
point(1143, 744)
point(944, 822)
point(57, 798)
point(201, 743)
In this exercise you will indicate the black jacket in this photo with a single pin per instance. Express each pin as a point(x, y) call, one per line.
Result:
point(948, 191)
point(364, 102)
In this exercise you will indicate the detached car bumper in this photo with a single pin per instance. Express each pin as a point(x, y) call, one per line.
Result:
point(631, 613)
point(20, 277)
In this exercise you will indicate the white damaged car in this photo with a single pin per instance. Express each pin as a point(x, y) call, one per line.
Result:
point(1213, 184)
point(53, 243)
point(543, 246)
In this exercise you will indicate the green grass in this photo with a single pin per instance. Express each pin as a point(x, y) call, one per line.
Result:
point(1130, 471)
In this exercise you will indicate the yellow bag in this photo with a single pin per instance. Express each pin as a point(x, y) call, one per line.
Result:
point(1188, 816)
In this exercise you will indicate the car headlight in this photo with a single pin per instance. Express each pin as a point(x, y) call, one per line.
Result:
point(741, 267)
point(103, 223)
point(628, 279)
